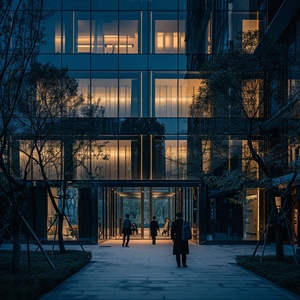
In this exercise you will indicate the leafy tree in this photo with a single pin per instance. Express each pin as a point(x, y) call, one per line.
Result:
point(245, 122)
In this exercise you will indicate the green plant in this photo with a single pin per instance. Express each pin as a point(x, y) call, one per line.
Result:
point(284, 273)
point(37, 277)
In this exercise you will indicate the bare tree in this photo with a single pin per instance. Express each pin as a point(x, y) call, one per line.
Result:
point(61, 133)
point(21, 34)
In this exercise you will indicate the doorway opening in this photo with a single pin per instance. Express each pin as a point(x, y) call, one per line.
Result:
point(142, 203)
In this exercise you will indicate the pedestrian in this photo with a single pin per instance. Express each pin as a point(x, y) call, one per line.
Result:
point(180, 246)
point(134, 229)
point(126, 230)
point(166, 227)
point(153, 229)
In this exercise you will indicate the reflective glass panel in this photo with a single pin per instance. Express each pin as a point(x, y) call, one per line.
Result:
point(174, 97)
point(169, 33)
point(176, 158)
point(75, 5)
point(70, 203)
point(103, 159)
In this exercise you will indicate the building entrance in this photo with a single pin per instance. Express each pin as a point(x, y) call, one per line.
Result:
point(96, 213)
point(142, 203)
point(145, 204)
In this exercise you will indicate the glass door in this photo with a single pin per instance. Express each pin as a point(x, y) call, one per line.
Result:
point(130, 202)
point(162, 207)
point(142, 204)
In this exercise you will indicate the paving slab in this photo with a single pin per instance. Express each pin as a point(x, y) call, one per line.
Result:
point(146, 271)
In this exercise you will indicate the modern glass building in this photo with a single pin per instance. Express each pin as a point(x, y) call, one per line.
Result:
point(137, 66)
point(212, 27)
point(129, 59)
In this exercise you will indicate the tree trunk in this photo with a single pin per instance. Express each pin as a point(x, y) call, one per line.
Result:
point(60, 221)
point(60, 234)
point(16, 253)
point(279, 234)
point(278, 227)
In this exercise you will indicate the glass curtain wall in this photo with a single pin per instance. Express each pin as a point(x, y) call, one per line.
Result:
point(130, 59)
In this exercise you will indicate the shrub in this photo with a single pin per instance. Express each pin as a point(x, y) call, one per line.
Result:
point(38, 277)
point(284, 273)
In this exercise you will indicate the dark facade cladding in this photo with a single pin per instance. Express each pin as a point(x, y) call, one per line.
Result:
point(133, 144)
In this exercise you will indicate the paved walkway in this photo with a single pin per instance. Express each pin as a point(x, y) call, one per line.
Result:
point(146, 271)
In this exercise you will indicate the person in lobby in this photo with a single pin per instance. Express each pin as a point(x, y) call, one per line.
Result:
point(166, 228)
point(134, 229)
point(153, 229)
point(126, 230)
point(180, 246)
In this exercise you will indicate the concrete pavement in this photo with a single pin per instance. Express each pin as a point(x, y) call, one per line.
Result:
point(146, 271)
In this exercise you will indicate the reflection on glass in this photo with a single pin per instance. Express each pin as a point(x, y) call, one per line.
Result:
point(206, 156)
point(111, 97)
point(249, 166)
point(176, 159)
point(250, 26)
point(70, 223)
point(103, 160)
point(50, 159)
point(251, 94)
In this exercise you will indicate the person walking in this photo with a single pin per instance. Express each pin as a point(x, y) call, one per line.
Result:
point(166, 229)
point(153, 229)
point(180, 246)
point(126, 230)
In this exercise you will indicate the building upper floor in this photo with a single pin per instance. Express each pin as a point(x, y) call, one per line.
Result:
point(213, 25)
point(116, 27)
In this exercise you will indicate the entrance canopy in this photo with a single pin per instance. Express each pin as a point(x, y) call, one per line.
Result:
point(148, 183)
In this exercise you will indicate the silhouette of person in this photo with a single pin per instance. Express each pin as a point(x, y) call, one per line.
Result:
point(180, 246)
point(126, 230)
point(153, 229)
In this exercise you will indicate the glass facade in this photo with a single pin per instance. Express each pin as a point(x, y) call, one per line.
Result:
point(129, 60)
point(136, 63)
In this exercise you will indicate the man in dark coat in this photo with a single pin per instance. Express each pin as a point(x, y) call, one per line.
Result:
point(126, 231)
point(153, 229)
point(180, 246)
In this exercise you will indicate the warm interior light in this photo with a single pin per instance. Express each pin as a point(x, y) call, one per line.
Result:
point(278, 202)
point(119, 45)
point(160, 39)
point(116, 36)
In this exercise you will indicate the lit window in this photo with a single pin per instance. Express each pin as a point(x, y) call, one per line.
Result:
point(173, 98)
point(167, 37)
point(84, 36)
point(103, 160)
point(176, 158)
point(250, 36)
point(160, 40)
point(206, 156)
point(251, 98)
point(249, 166)
point(175, 39)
